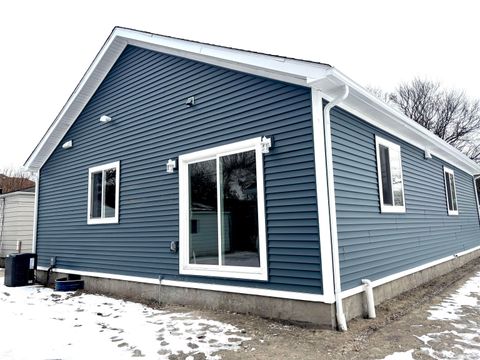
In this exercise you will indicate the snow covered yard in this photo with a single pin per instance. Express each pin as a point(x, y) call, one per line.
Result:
point(38, 323)
point(461, 339)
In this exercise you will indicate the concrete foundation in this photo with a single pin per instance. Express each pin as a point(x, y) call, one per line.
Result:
point(319, 314)
point(355, 306)
point(306, 312)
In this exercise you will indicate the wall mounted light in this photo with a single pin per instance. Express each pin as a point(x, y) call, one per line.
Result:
point(428, 154)
point(190, 101)
point(68, 144)
point(171, 165)
point(105, 119)
point(266, 144)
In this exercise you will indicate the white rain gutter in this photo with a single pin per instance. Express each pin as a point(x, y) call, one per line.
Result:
point(341, 321)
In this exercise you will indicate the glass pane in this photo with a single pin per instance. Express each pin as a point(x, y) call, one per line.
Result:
point(397, 181)
point(477, 184)
point(203, 213)
point(110, 186)
point(386, 176)
point(454, 193)
point(239, 213)
point(96, 209)
point(449, 190)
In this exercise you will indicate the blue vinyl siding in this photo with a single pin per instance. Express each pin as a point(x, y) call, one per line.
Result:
point(145, 95)
point(374, 245)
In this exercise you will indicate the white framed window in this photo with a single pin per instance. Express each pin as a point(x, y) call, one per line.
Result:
point(450, 191)
point(103, 193)
point(222, 212)
point(477, 192)
point(390, 176)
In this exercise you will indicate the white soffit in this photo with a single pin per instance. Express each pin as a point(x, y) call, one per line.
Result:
point(305, 73)
point(374, 111)
point(274, 67)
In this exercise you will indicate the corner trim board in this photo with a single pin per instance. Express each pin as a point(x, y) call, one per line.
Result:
point(322, 195)
point(35, 212)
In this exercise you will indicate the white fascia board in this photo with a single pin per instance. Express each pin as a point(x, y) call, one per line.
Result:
point(291, 295)
point(374, 111)
point(81, 95)
point(274, 67)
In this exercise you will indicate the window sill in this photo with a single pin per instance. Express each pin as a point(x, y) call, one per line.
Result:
point(392, 209)
point(452, 213)
point(102, 221)
point(233, 272)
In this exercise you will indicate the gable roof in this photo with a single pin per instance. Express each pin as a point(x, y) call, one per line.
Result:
point(323, 77)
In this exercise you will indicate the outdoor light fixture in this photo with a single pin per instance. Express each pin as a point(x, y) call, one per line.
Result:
point(190, 101)
point(428, 154)
point(68, 144)
point(171, 165)
point(105, 119)
point(266, 144)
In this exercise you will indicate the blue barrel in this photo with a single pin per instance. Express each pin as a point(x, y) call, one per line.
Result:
point(63, 284)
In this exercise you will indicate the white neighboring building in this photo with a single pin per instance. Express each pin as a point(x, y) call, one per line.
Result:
point(16, 222)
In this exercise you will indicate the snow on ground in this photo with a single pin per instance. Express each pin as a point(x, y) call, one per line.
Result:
point(462, 311)
point(407, 355)
point(38, 323)
point(452, 307)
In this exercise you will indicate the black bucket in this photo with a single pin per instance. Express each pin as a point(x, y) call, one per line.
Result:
point(64, 284)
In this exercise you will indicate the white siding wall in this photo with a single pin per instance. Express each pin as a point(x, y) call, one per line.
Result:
point(16, 222)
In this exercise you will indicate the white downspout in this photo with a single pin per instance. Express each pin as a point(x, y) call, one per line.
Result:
point(341, 321)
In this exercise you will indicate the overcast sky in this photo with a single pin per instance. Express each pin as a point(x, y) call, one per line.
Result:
point(48, 45)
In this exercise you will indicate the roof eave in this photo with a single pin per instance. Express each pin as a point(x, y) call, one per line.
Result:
point(373, 110)
point(278, 68)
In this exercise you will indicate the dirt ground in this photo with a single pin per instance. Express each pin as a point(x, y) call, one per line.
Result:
point(398, 323)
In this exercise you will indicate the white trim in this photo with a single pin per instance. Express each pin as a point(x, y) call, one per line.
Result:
point(239, 272)
point(447, 170)
point(35, 212)
point(85, 89)
point(387, 279)
point(16, 193)
point(322, 196)
point(376, 112)
point(263, 292)
point(102, 168)
point(291, 295)
point(394, 147)
point(304, 73)
point(270, 66)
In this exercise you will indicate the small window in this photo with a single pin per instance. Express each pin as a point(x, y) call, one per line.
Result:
point(477, 190)
point(451, 191)
point(390, 178)
point(222, 215)
point(103, 191)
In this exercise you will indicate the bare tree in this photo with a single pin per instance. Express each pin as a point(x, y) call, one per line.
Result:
point(14, 180)
point(448, 113)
